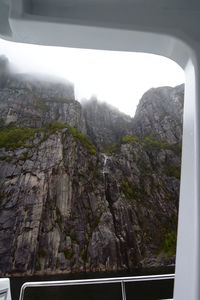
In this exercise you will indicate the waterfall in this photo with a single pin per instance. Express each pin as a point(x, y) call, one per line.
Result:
point(105, 159)
point(105, 169)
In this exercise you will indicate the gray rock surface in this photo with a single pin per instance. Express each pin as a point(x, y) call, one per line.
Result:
point(66, 206)
point(160, 113)
point(4, 70)
point(105, 124)
point(29, 101)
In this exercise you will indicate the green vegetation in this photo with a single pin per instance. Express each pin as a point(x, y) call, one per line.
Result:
point(150, 142)
point(169, 243)
point(112, 148)
point(6, 158)
point(131, 139)
point(129, 189)
point(145, 168)
point(93, 169)
point(82, 138)
point(77, 134)
point(176, 148)
point(169, 237)
point(53, 127)
point(96, 173)
point(172, 171)
point(127, 139)
point(174, 221)
point(26, 155)
point(12, 137)
point(68, 253)
point(170, 197)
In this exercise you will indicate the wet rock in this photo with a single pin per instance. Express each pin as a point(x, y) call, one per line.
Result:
point(160, 113)
point(65, 208)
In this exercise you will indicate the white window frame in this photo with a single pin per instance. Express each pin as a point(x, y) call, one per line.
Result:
point(136, 37)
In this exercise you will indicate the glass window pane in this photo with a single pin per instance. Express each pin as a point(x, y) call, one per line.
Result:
point(90, 161)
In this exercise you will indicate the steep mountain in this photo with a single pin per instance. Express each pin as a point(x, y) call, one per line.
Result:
point(29, 101)
point(4, 70)
point(105, 124)
point(67, 205)
point(160, 113)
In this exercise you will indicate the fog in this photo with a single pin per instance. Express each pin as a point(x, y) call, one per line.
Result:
point(118, 78)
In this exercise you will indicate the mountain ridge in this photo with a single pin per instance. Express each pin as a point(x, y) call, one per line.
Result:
point(79, 196)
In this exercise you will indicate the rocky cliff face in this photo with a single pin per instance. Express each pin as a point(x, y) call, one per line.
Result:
point(67, 205)
point(28, 101)
point(4, 70)
point(105, 124)
point(160, 113)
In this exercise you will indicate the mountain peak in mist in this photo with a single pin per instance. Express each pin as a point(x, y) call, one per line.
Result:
point(105, 123)
point(4, 69)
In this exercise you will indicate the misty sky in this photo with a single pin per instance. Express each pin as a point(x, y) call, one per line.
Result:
point(119, 78)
